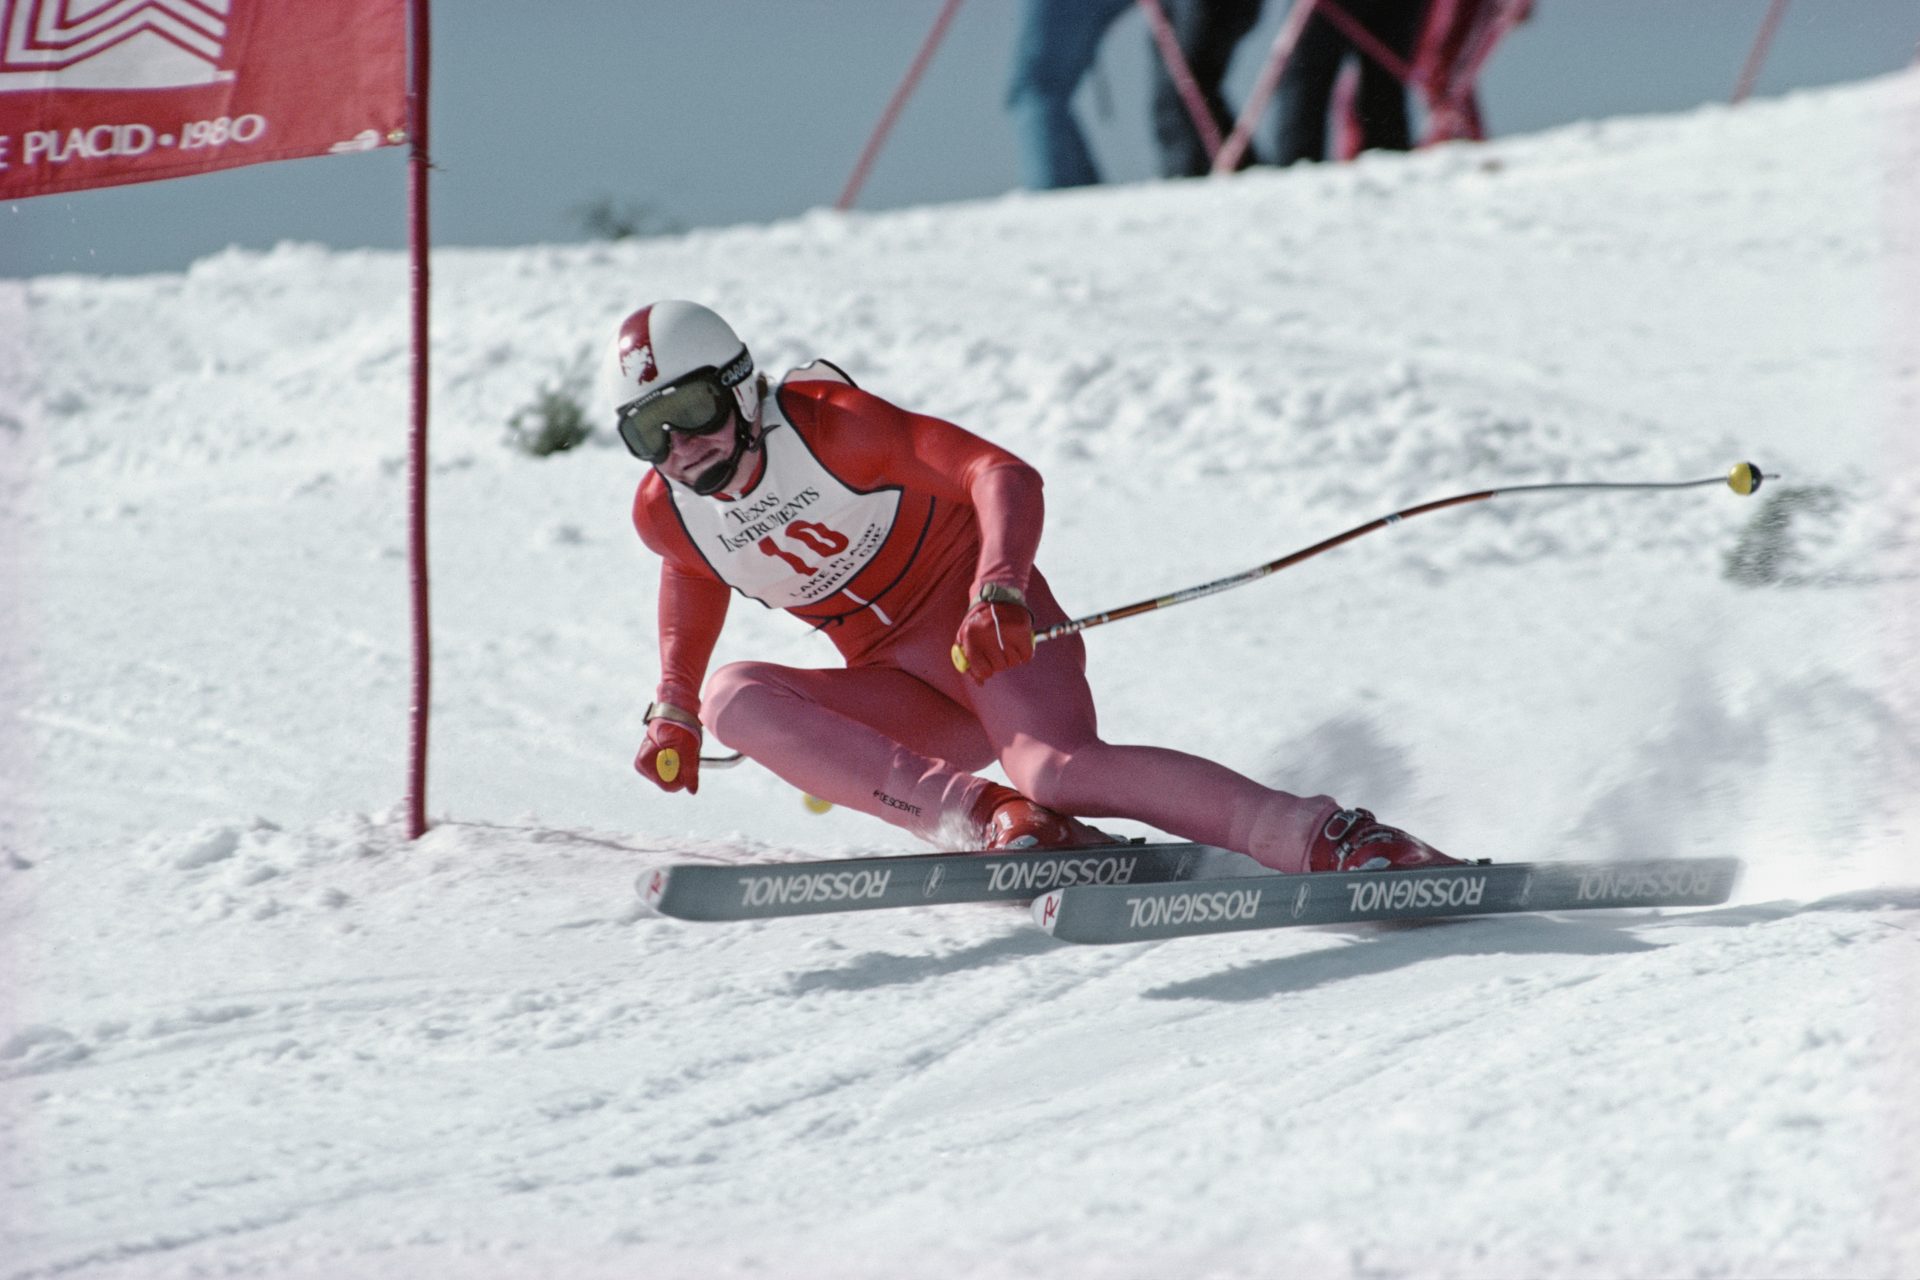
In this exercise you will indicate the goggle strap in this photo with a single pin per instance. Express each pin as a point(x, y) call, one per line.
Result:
point(738, 370)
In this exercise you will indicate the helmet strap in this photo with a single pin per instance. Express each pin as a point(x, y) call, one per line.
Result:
point(721, 474)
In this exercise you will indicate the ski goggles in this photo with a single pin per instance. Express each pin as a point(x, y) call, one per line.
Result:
point(697, 404)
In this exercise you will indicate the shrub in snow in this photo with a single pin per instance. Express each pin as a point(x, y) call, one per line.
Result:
point(554, 421)
point(604, 218)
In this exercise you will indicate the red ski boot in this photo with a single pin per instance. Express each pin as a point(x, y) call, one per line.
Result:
point(1005, 819)
point(1353, 841)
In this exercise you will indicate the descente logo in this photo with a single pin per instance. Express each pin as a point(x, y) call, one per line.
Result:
point(1038, 876)
point(1192, 908)
point(823, 886)
point(1373, 893)
point(894, 803)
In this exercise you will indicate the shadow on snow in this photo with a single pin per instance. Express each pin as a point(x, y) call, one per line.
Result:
point(1397, 944)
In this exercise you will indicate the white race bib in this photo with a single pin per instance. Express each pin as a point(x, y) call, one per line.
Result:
point(799, 536)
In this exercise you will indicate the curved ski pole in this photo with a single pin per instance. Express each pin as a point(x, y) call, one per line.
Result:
point(1744, 479)
point(814, 803)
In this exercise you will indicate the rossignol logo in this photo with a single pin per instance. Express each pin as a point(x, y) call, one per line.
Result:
point(1036, 877)
point(820, 886)
point(1192, 908)
point(1049, 911)
point(89, 44)
point(1373, 893)
point(1631, 886)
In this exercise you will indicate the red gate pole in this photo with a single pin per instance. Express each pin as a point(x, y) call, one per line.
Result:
point(1366, 42)
point(1182, 73)
point(1456, 111)
point(417, 243)
point(1751, 72)
point(858, 178)
point(1282, 48)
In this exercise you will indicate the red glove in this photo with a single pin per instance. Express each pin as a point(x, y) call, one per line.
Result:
point(995, 636)
point(670, 757)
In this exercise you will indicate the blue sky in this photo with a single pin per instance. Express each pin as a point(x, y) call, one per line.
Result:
point(732, 111)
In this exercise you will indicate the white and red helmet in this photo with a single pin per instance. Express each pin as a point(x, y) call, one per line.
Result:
point(660, 344)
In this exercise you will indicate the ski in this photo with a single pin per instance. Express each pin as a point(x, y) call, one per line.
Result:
point(1140, 912)
point(759, 890)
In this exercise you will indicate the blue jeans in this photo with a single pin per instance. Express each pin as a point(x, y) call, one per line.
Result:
point(1057, 45)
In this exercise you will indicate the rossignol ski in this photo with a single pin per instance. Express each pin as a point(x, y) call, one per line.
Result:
point(1142, 912)
point(757, 890)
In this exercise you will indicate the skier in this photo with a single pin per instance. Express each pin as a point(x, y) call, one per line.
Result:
point(910, 541)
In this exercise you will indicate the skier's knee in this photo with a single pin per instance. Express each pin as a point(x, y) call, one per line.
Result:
point(1038, 775)
point(730, 694)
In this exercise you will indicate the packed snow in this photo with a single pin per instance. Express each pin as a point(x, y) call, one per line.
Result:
point(250, 1029)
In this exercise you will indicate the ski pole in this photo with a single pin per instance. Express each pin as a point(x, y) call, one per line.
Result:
point(814, 803)
point(670, 769)
point(1744, 479)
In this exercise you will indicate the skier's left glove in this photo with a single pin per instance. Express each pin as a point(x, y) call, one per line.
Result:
point(996, 635)
point(670, 757)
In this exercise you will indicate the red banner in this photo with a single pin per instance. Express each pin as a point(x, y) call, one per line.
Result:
point(94, 93)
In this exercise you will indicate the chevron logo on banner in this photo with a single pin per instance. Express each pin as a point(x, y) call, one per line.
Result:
point(111, 44)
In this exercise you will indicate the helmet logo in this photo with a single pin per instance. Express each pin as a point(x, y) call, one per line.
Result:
point(641, 355)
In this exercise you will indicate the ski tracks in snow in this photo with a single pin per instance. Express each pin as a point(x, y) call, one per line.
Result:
point(486, 1019)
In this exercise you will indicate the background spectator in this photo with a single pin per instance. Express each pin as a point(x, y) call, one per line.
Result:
point(1306, 86)
point(1208, 32)
point(1056, 46)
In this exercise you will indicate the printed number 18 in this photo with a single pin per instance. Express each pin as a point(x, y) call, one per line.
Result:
point(815, 537)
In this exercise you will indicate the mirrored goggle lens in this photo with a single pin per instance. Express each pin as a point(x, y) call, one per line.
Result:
point(694, 408)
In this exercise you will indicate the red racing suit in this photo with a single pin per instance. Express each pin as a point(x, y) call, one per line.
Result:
point(861, 511)
point(880, 526)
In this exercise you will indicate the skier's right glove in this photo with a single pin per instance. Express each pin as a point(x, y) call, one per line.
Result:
point(995, 636)
point(670, 757)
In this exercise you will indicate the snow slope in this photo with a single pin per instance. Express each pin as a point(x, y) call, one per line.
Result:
point(250, 1030)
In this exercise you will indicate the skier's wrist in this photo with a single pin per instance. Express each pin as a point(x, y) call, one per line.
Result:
point(663, 710)
point(1000, 593)
point(680, 692)
point(999, 589)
